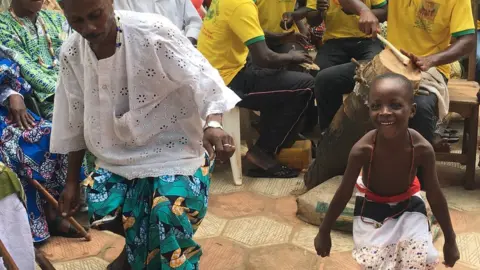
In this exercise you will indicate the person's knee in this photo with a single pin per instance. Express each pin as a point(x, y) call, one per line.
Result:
point(425, 118)
point(426, 106)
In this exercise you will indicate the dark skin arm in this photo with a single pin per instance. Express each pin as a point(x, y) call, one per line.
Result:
point(368, 21)
point(356, 159)
point(438, 203)
point(462, 46)
point(69, 199)
point(380, 13)
point(262, 56)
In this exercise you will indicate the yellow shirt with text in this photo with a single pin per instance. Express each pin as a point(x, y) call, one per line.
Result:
point(270, 14)
point(425, 27)
point(340, 25)
point(228, 28)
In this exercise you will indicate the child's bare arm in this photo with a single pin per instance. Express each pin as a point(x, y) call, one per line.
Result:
point(345, 190)
point(435, 196)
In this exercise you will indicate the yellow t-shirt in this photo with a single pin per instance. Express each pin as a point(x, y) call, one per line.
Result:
point(228, 28)
point(340, 25)
point(270, 14)
point(425, 27)
point(312, 4)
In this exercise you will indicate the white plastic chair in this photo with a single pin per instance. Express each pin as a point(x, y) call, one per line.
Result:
point(231, 125)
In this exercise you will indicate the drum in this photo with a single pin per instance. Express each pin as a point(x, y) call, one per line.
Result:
point(352, 120)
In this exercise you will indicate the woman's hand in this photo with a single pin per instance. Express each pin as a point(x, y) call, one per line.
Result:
point(18, 113)
point(217, 142)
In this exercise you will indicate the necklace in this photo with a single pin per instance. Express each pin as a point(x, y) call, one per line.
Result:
point(118, 42)
point(47, 37)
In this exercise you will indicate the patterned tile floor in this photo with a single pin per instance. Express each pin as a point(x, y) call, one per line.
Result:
point(254, 227)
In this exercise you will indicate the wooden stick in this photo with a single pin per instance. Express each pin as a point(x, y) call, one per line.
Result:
point(54, 203)
point(7, 258)
point(401, 57)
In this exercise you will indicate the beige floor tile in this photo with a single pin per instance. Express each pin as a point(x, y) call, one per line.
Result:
point(222, 181)
point(274, 187)
point(460, 199)
point(465, 221)
point(284, 257)
point(469, 245)
point(211, 226)
point(339, 261)
point(237, 204)
point(65, 249)
point(82, 264)
point(257, 231)
point(221, 254)
point(305, 236)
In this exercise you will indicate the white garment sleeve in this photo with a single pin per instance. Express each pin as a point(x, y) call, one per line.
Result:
point(193, 22)
point(67, 123)
point(6, 92)
point(187, 67)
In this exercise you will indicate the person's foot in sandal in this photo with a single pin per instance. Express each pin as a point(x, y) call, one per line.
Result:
point(58, 226)
point(441, 145)
point(61, 227)
point(266, 166)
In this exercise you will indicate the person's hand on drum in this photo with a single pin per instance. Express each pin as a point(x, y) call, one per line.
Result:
point(295, 37)
point(368, 22)
point(424, 63)
point(287, 20)
point(300, 57)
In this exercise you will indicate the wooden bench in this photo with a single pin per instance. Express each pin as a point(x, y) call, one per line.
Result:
point(463, 100)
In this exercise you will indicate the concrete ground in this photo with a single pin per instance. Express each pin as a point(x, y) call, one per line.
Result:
point(254, 226)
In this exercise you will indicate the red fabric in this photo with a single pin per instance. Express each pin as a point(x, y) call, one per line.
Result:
point(197, 3)
point(412, 190)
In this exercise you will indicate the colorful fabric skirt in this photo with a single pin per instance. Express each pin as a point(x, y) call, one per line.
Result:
point(393, 235)
point(27, 153)
point(160, 215)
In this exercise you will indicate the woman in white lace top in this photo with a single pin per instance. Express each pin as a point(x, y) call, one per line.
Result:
point(133, 91)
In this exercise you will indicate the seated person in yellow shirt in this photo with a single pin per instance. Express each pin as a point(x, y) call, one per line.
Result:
point(231, 29)
point(423, 29)
point(343, 41)
point(278, 18)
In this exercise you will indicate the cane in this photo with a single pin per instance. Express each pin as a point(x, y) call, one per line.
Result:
point(7, 258)
point(54, 203)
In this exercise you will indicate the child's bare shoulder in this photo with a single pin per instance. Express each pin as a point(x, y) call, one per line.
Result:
point(364, 146)
point(423, 148)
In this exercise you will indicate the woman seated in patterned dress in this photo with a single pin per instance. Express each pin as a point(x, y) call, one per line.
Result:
point(30, 40)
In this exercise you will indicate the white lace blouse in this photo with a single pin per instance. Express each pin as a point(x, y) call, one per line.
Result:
point(139, 111)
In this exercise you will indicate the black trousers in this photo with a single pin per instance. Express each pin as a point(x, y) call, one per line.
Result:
point(337, 71)
point(281, 96)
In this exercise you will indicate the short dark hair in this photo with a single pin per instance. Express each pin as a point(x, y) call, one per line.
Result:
point(405, 83)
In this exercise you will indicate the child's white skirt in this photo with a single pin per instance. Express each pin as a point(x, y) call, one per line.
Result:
point(403, 241)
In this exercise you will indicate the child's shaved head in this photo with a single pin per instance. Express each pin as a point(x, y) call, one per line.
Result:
point(401, 80)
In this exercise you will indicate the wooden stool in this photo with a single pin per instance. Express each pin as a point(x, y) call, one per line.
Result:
point(463, 100)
